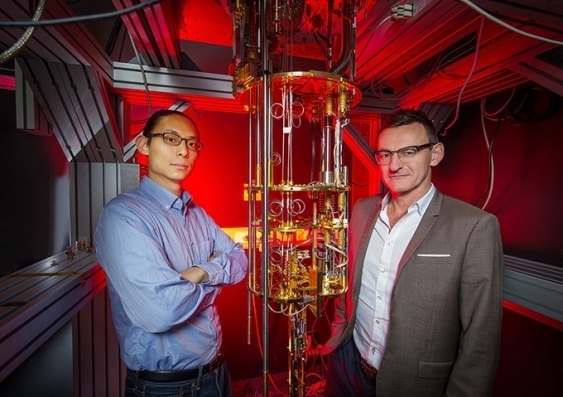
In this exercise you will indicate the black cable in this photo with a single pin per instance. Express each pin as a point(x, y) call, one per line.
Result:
point(526, 22)
point(110, 45)
point(324, 51)
point(510, 109)
point(64, 21)
point(521, 114)
point(122, 46)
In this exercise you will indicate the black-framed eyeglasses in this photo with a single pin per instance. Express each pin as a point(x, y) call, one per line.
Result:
point(173, 139)
point(406, 154)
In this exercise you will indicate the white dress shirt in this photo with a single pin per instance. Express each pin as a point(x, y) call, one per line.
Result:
point(386, 247)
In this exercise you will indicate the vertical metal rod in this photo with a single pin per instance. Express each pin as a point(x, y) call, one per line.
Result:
point(265, 196)
point(353, 43)
point(251, 235)
point(328, 153)
point(296, 350)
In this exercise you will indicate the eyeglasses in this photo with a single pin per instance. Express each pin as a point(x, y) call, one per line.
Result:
point(406, 154)
point(173, 139)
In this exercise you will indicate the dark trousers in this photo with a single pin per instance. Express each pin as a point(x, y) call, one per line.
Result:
point(216, 384)
point(344, 376)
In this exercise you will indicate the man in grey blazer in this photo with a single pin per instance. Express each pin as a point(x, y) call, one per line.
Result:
point(422, 314)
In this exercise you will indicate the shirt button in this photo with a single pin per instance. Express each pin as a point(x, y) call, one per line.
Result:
point(379, 297)
point(382, 269)
point(377, 321)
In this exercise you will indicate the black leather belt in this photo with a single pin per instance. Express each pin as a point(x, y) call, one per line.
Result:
point(369, 371)
point(183, 375)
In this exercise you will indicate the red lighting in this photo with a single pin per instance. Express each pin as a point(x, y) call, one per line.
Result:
point(7, 83)
point(533, 315)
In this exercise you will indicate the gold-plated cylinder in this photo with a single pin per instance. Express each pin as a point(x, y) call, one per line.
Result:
point(327, 236)
point(270, 173)
point(341, 201)
point(343, 101)
point(328, 105)
point(342, 238)
point(258, 180)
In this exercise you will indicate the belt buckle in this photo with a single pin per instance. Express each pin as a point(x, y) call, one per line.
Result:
point(215, 363)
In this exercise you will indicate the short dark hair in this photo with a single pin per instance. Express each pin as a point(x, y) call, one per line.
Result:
point(159, 115)
point(403, 117)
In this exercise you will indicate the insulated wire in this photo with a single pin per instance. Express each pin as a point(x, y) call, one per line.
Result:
point(143, 74)
point(507, 26)
point(477, 46)
point(371, 36)
point(501, 109)
point(20, 43)
point(63, 21)
point(490, 150)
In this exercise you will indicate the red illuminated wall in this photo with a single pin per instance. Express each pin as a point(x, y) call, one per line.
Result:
point(217, 182)
point(527, 194)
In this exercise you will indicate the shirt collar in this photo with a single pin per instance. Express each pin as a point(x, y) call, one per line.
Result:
point(420, 206)
point(163, 196)
point(424, 202)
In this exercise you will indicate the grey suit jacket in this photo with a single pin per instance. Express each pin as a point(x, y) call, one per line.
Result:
point(446, 305)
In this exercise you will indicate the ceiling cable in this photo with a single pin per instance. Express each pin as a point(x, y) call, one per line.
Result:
point(507, 26)
point(143, 74)
point(18, 45)
point(458, 104)
point(76, 19)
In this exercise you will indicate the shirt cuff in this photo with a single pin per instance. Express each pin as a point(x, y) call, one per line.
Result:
point(215, 272)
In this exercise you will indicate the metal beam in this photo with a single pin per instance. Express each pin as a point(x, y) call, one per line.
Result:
point(40, 299)
point(162, 80)
point(153, 31)
point(534, 285)
point(72, 98)
point(360, 147)
point(543, 73)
